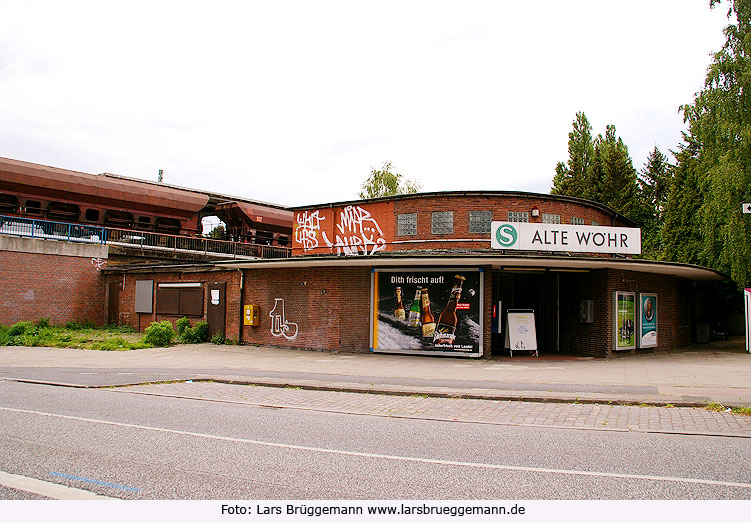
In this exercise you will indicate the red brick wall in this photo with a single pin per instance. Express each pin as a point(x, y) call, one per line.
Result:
point(61, 288)
point(378, 227)
point(139, 321)
point(596, 339)
point(331, 307)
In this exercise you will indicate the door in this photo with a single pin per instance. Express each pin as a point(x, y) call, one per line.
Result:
point(113, 303)
point(538, 292)
point(216, 308)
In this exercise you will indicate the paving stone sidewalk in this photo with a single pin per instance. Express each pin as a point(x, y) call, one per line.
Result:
point(679, 420)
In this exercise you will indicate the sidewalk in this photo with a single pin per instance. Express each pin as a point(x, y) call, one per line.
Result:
point(719, 372)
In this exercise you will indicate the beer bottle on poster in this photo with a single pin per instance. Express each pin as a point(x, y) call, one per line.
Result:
point(445, 331)
point(414, 310)
point(399, 312)
point(426, 316)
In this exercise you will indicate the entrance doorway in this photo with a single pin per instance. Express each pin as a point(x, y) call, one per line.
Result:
point(535, 290)
point(216, 308)
point(113, 303)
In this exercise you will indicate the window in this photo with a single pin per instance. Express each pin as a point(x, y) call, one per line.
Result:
point(144, 222)
point(551, 218)
point(479, 221)
point(595, 223)
point(33, 207)
point(577, 221)
point(181, 299)
point(91, 215)
point(442, 222)
point(406, 224)
point(518, 216)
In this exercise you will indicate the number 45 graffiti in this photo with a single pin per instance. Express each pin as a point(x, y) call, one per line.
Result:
point(279, 324)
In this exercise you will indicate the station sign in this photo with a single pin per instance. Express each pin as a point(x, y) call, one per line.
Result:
point(523, 236)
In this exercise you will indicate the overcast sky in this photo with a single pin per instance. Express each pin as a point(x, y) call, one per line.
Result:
point(294, 102)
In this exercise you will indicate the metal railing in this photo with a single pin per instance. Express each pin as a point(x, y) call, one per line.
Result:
point(17, 226)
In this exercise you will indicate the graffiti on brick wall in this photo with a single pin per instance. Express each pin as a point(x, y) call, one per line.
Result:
point(279, 324)
point(98, 262)
point(358, 233)
point(306, 229)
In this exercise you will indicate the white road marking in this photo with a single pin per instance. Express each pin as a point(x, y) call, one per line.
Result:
point(46, 488)
point(409, 459)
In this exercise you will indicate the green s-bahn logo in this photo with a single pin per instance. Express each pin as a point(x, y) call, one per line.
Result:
point(506, 235)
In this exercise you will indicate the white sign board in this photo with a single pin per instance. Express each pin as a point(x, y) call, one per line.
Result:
point(566, 238)
point(747, 300)
point(520, 331)
point(746, 208)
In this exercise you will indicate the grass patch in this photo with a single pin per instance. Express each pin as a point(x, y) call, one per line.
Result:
point(73, 335)
point(719, 407)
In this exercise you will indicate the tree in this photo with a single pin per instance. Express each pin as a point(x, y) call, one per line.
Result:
point(384, 182)
point(572, 179)
point(218, 232)
point(654, 183)
point(720, 124)
point(679, 236)
point(612, 180)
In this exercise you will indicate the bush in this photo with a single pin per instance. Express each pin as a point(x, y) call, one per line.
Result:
point(202, 331)
point(43, 322)
point(218, 338)
point(159, 334)
point(182, 324)
point(20, 328)
point(196, 334)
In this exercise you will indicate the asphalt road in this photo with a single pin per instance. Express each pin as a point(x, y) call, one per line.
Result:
point(151, 447)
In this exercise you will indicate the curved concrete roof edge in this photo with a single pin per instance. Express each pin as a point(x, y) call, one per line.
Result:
point(502, 262)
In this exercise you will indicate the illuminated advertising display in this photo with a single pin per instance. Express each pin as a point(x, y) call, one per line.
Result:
point(624, 306)
point(647, 321)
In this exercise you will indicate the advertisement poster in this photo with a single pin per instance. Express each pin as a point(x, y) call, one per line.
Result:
point(427, 311)
point(624, 327)
point(647, 320)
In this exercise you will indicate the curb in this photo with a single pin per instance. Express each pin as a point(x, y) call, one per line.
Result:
point(388, 392)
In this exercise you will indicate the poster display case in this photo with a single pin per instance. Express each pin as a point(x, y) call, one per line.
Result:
point(427, 311)
point(624, 316)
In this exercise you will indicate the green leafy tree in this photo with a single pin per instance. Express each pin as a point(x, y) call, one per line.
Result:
point(218, 233)
point(571, 179)
point(384, 182)
point(720, 123)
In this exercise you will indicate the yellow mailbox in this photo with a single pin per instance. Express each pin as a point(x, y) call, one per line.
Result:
point(252, 315)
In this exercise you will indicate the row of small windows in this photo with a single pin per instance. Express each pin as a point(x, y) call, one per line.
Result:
point(442, 222)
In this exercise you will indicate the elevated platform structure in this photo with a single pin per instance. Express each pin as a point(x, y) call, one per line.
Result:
point(50, 193)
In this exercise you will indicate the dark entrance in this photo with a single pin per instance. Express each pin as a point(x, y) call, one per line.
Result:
point(216, 308)
point(113, 303)
point(533, 290)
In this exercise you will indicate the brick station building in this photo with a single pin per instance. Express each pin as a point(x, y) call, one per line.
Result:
point(390, 273)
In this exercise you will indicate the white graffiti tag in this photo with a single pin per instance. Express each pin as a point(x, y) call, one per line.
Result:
point(359, 233)
point(98, 262)
point(306, 230)
point(279, 324)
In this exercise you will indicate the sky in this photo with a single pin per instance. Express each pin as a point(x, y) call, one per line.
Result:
point(294, 102)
